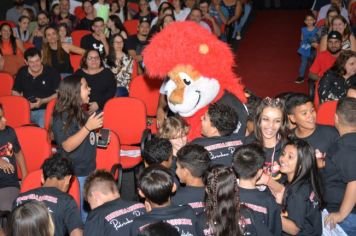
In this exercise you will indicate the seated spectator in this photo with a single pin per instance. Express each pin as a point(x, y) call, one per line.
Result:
point(175, 129)
point(55, 11)
point(64, 33)
point(56, 53)
point(100, 79)
point(29, 13)
point(180, 11)
point(10, 156)
point(156, 185)
point(65, 16)
point(333, 85)
point(38, 33)
point(248, 164)
point(207, 18)
point(164, 9)
point(102, 9)
point(218, 126)
point(110, 213)
point(114, 8)
point(300, 197)
point(115, 26)
point(120, 64)
point(42, 5)
point(144, 11)
point(166, 20)
point(9, 44)
point(192, 163)
point(324, 60)
point(339, 3)
point(22, 30)
point(196, 15)
point(31, 218)
point(37, 83)
point(136, 43)
point(327, 26)
point(222, 195)
point(340, 25)
point(124, 12)
point(13, 14)
point(159, 229)
point(339, 180)
point(57, 173)
point(301, 112)
point(351, 92)
point(87, 22)
point(155, 4)
point(97, 39)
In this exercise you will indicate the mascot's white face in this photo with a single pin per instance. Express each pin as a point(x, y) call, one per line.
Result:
point(188, 91)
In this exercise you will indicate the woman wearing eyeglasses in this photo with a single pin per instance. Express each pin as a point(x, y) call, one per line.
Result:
point(100, 79)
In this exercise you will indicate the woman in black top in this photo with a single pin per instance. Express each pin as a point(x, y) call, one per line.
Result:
point(335, 82)
point(144, 11)
point(73, 128)
point(56, 53)
point(100, 79)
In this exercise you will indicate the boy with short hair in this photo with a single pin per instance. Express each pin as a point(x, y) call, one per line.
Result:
point(57, 173)
point(158, 151)
point(192, 162)
point(248, 165)
point(301, 112)
point(218, 126)
point(156, 185)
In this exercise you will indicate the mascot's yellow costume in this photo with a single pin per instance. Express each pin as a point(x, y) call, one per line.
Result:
point(200, 71)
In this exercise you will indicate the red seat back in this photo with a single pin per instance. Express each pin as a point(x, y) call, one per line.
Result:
point(133, 6)
point(126, 117)
point(17, 110)
point(34, 180)
point(48, 113)
point(35, 145)
point(28, 45)
point(79, 12)
point(109, 156)
point(11, 23)
point(77, 35)
point(75, 61)
point(131, 27)
point(326, 113)
point(6, 83)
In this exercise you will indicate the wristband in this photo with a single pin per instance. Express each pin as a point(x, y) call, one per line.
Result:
point(86, 128)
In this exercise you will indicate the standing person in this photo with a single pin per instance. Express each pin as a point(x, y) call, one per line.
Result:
point(120, 64)
point(97, 39)
point(306, 48)
point(87, 22)
point(270, 131)
point(300, 197)
point(56, 53)
point(338, 174)
point(10, 156)
point(234, 9)
point(37, 83)
point(73, 129)
point(335, 82)
point(57, 174)
point(100, 79)
point(247, 7)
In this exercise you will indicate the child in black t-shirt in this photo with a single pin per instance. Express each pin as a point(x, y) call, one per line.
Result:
point(158, 151)
point(192, 162)
point(301, 200)
point(110, 215)
point(248, 165)
point(57, 173)
point(159, 229)
point(217, 126)
point(156, 185)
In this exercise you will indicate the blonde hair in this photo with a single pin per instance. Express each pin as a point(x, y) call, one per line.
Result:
point(173, 126)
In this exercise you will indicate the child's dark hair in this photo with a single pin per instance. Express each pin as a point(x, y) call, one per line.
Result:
point(156, 183)
point(57, 167)
point(157, 150)
point(309, 14)
point(247, 160)
point(159, 229)
point(223, 117)
point(195, 158)
point(222, 201)
point(252, 102)
point(297, 99)
point(306, 170)
point(100, 180)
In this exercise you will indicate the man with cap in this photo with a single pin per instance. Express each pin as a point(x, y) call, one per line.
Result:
point(324, 60)
point(136, 43)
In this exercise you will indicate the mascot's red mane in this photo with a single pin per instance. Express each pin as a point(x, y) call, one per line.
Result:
point(180, 43)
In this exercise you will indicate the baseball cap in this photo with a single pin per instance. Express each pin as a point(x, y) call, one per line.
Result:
point(335, 35)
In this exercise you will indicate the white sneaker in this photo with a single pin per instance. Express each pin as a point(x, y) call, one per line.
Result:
point(238, 37)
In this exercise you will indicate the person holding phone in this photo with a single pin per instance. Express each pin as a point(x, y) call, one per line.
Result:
point(74, 129)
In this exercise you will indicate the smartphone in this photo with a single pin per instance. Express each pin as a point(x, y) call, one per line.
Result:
point(103, 138)
point(32, 99)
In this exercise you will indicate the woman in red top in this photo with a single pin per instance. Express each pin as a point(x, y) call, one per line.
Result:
point(8, 43)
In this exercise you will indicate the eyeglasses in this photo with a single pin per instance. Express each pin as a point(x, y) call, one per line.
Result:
point(93, 58)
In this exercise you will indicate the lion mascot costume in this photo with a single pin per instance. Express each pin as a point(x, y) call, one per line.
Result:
point(200, 71)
